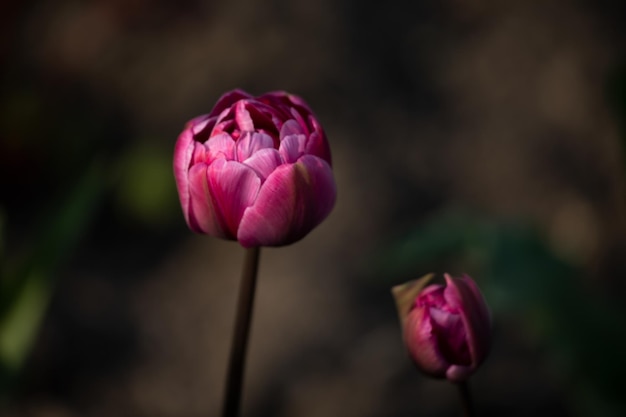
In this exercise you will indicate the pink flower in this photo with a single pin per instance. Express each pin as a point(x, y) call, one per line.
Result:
point(447, 329)
point(255, 169)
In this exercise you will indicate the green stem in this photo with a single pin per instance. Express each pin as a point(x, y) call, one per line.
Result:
point(237, 362)
point(466, 399)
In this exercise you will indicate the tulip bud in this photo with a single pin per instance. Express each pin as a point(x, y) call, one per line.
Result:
point(447, 329)
point(255, 169)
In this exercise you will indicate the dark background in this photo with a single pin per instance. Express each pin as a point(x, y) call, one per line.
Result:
point(472, 136)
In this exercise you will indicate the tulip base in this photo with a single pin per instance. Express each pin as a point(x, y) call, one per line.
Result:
point(237, 361)
point(466, 399)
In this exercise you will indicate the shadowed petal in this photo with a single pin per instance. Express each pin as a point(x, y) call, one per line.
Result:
point(293, 200)
point(422, 343)
point(228, 100)
point(463, 296)
point(317, 144)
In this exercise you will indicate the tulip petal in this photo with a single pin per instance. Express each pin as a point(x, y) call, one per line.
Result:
point(482, 310)
point(199, 153)
point(291, 148)
point(298, 116)
point(463, 295)
point(182, 158)
point(220, 146)
point(242, 116)
point(291, 127)
point(317, 144)
point(227, 100)
point(202, 216)
point(250, 142)
point(293, 200)
point(422, 343)
point(451, 336)
point(232, 187)
point(264, 119)
point(264, 162)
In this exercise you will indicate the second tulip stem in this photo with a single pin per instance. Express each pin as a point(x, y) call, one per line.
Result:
point(237, 361)
point(466, 399)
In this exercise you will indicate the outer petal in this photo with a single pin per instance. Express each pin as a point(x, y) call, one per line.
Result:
point(202, 215)
point(228, 100)
point(293, 200)
point(464, 295)
point(482, 310)
point(317, 144)
point(422, 343)
point(232, 188)
point(182, 158)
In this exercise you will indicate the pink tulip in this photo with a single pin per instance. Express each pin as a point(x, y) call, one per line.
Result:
point(255, 169)
point(447, 329)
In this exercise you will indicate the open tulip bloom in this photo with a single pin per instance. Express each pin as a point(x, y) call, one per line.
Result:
point(446, 329)
point(255, 169)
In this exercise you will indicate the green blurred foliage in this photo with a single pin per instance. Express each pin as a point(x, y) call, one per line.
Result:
point(581, 331)
point(146, 191)
point(27, 285)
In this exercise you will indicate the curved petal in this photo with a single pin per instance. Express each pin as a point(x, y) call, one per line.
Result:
point(298, 101)
point(232, 188)
point(202, 216)
point(199, 153)
point(298, 116)
point(227, 100)
point(451, 336)
point(317, 144)
point(481, 305)
point(290, 127)
point(220, 146)
point(251, 142)
point(201, 127)
point(463, 295)
point(422, 343)
point(242, 116)
point(182, 159)
point(291, 148)
point(264, 162)
point(293, 200)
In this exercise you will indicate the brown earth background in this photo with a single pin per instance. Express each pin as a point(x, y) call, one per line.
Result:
point(474, 136)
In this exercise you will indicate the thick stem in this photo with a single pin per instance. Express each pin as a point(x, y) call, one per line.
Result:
point(237, 362)
point(466, 399)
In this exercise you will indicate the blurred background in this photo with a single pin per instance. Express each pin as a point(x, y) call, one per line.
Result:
point(472, 136)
